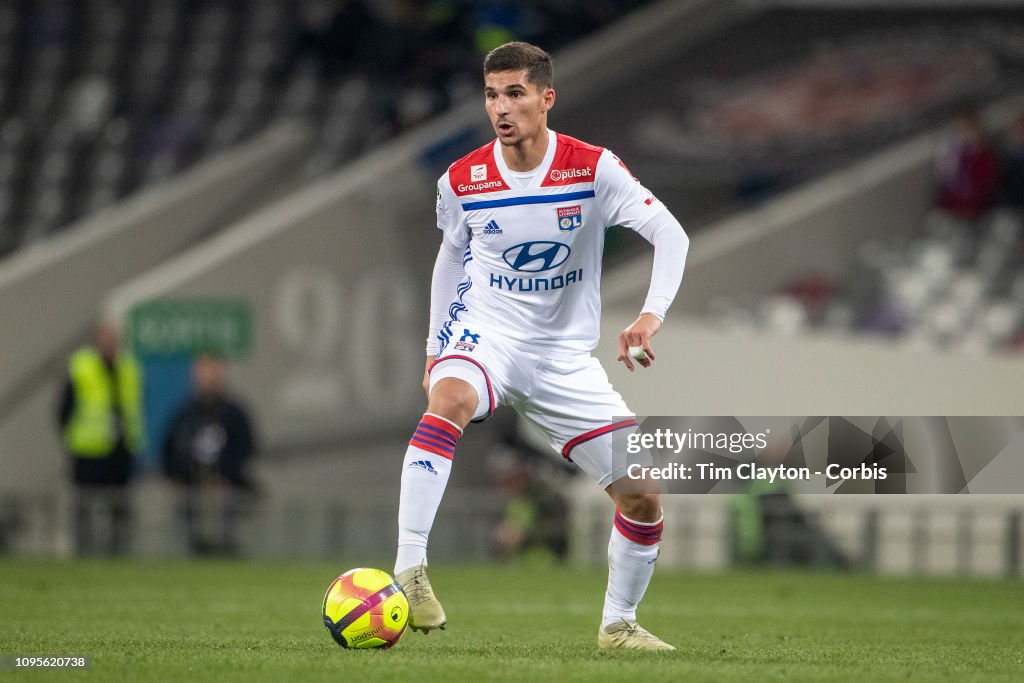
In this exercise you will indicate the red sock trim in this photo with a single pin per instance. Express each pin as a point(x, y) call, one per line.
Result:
point(644, 534)
point(436, 436)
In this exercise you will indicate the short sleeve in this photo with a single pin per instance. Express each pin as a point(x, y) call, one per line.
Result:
point(621, 198)
point(448, 214)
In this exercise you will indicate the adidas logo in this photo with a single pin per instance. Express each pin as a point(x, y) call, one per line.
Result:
point(492, 228)
point(424, 465)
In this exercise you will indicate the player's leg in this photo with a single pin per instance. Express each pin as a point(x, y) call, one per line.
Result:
point(120, 505)
point(632, 553)
point(84, 524)
point(425, 472)
point(427, 465)
point(582, 414)
point(459, 392)
point(632, 547)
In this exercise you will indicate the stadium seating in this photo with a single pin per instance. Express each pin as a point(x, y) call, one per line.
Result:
point(952, 286)
point(101, 98)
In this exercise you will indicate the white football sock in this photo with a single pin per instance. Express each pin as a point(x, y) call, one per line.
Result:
point(425, 472)
point(632, 552)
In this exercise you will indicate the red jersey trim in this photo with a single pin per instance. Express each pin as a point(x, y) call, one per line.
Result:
point(476, 173)
point(575, 162)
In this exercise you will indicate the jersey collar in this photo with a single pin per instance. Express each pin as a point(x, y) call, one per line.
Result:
point(539, 173)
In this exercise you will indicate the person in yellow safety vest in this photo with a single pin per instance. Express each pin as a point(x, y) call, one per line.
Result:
point(100, 416)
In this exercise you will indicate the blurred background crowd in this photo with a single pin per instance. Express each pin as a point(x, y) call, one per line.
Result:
point(99, 99)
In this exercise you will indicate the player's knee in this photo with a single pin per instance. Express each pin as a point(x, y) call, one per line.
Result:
point(640, 507)
point(453, 399)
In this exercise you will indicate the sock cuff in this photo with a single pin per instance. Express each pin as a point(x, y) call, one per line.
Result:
point(443, 423)
point(436, 435)
point(644, 533)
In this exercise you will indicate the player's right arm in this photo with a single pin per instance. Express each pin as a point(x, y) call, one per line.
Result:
point(448, 272)
point(448, 268)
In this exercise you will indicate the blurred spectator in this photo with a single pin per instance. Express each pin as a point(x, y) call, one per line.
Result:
point(498, 22)
point(535, 524)
point(966, 170)
point(100, 415)
point(207, 451)
point(1011, 191)
point(769, 527)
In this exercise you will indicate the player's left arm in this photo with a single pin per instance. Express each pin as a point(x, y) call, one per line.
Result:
point(670, 243)
point(627, 203)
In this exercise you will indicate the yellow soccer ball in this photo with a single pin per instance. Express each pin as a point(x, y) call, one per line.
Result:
point(366, 608)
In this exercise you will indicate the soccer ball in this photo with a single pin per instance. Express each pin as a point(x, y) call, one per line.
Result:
point(366, 608)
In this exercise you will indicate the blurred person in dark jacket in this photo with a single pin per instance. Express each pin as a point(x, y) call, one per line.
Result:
point(966, 170)
point(208, 447)
point(100, 417)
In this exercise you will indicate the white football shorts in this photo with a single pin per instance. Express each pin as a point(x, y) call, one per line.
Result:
point(568, 398)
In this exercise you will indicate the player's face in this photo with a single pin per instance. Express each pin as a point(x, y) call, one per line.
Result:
point(517, 108)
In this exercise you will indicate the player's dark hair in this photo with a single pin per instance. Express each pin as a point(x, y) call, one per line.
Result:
point(520, 56)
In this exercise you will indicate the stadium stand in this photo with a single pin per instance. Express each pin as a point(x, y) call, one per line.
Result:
point(951, 283)
point(99, 99)
point(780, 96)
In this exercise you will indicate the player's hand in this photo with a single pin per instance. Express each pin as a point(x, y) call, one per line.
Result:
point(426, 375)
point(639, 334)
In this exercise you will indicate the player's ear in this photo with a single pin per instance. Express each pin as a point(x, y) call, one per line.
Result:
point(548, 98)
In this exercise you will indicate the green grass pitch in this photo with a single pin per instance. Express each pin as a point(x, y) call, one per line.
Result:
point(198, 621)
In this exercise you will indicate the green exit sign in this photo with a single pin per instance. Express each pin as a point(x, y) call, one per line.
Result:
point(168, 327)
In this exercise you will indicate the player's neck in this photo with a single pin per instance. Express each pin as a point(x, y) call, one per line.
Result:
point(527, 154)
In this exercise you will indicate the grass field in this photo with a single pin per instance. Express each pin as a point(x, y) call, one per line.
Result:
point(185, 621)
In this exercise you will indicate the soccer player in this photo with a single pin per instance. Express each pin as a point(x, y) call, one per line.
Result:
point(514, 314)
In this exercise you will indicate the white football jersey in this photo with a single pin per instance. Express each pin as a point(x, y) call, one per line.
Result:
point(533, 250)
